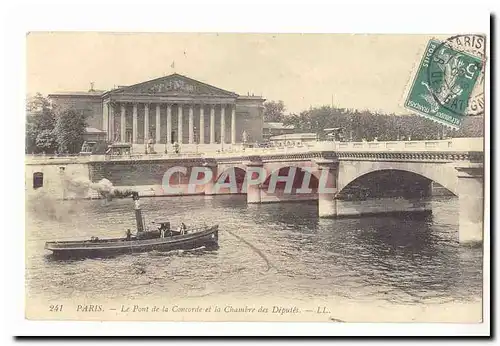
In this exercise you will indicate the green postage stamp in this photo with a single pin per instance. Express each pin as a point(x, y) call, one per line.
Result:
point(449, 83)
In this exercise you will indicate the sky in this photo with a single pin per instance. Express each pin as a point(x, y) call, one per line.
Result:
point(303, 70)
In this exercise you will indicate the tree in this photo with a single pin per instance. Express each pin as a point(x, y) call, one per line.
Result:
point(40, 118)
point(368, 125)
point(472, 126)
point(299, 121)
point(317, 119)
point(69, 130)
point(46, 141)
point(274, 111)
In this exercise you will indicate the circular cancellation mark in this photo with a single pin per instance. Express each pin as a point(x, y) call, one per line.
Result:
point(456, 74)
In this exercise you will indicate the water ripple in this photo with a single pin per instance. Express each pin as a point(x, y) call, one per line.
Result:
point(299, 256)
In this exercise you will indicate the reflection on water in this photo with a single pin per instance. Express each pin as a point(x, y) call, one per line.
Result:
point(400, 260)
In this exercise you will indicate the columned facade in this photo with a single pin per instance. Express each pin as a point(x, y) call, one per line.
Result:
point(171, 109)
point(142, 119)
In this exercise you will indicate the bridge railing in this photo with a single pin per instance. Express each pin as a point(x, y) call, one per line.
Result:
point(454, 144)
point(33, 159)
point(39, 158)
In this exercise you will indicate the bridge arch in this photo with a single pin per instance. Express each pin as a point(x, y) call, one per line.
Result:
point(443, 174)
point(298, 181)
point(225, 175)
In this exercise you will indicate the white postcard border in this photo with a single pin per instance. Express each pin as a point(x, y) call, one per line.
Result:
point(305, 18)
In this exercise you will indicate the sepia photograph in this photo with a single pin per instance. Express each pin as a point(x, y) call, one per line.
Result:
point(256, 177)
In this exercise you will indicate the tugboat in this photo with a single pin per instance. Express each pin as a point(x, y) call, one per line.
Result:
point(161, 239)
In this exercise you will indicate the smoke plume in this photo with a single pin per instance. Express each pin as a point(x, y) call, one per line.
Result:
point(46, 204)
point(42, 205)
point(104, 187)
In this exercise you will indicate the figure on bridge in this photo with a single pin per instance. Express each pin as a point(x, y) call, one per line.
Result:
point(176, 148)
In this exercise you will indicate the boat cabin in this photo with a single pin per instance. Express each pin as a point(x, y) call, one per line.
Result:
point(162, 230)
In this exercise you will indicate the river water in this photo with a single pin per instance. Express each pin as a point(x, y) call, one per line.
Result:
point(390, 259)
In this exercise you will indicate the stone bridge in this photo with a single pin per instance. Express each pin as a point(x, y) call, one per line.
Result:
point(455, 165)
point(347, 179)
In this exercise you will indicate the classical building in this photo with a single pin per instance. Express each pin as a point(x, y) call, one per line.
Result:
point(169, 109)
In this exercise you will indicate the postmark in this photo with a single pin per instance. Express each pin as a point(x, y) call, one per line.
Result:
point(449, 83)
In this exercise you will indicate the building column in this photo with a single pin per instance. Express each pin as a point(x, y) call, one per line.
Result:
point(327, 189)
point(146, 122)
point(223, 123)
point(158, 124)
point(122, 123)
point(233, 124)
point(111, 133)
point(191, 124)
point(134, 124)
point(470, 199)
point(202, 124)
point(212, 124)
point(105, 119)
point(169, 124)
point(179, 124)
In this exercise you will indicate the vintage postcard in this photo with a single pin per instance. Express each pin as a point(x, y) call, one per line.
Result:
point(262, 177)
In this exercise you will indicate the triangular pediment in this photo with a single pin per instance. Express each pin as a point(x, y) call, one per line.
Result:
point(174, 84)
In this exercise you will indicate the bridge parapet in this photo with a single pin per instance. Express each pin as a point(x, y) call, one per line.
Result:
point(248, 152)
point(448, 145)
point(454, 145)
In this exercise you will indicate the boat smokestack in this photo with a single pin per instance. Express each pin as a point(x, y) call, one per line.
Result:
point(138, 212)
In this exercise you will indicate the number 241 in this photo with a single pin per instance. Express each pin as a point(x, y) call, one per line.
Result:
point(55, 308)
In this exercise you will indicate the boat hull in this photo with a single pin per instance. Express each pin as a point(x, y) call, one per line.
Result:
point(207, 238)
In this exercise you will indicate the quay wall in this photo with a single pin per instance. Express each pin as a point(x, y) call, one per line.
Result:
point(52, 181)
point(146, 177)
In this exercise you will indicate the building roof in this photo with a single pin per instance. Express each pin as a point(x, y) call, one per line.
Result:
point(78, 93)
point(277, 126)
point(174, 83)
point(294, 136)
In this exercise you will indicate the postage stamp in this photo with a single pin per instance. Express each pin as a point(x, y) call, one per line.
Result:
point(449, 83)
point(157, 188)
